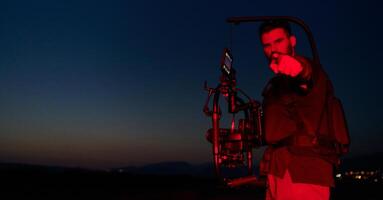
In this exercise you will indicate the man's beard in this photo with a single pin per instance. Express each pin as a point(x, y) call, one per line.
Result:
point(289, 52)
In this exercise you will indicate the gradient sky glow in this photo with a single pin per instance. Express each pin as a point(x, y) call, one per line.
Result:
point(113, 83)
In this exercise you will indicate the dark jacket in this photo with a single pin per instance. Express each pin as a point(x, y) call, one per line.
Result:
point(292, 112)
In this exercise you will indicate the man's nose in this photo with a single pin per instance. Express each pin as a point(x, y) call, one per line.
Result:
point(274, 48)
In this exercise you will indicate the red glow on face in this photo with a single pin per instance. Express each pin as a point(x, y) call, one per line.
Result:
point(278, 47)
point(277, 41)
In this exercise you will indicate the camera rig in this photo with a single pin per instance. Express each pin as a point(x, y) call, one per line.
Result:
point(233, 147)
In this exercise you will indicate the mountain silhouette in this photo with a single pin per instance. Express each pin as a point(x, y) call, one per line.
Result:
point(362, 162)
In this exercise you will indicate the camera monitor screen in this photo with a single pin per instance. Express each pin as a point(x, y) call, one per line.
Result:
point(227, 61)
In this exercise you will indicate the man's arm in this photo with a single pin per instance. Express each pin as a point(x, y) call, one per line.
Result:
point(305, 76)
point(296, 67)
point(306, 71)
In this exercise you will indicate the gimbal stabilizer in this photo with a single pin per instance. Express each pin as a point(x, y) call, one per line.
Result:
point(233, 147)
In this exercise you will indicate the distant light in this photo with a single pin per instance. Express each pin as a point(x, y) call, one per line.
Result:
point(362, 172)
point(120, 170)
point(351, 172)
point(339, 176)
point(376, 180)
point(358, 177)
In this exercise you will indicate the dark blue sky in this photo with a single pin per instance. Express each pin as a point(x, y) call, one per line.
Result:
point(111, 83)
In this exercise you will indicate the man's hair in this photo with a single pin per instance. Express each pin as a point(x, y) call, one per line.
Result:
point(267, 26)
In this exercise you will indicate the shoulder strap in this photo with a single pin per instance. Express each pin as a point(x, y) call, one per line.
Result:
point(323, 110)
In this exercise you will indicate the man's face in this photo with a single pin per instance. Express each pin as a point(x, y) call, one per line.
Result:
point(277, 41)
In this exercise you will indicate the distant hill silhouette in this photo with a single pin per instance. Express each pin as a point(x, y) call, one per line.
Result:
point(33, 168)
point(369, 161)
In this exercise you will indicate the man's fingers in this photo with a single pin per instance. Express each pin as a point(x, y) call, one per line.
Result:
point(287, 70)
point(285, 64)
point(274, 67)
point(274, 62)
point(289, 66)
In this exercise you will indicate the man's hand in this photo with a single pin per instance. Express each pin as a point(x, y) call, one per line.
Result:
point(285, 64)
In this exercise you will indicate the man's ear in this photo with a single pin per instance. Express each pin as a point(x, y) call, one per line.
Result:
point(293, 40)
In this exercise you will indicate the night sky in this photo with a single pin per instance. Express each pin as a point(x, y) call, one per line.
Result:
point(111, 83)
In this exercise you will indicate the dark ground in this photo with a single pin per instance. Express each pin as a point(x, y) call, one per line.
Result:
point(98, 185)
point(52, 183)
point(20, 181)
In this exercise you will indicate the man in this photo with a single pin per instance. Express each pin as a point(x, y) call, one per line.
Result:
point(293, 103)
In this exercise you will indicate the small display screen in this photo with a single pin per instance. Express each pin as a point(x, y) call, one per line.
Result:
point(227, 62)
